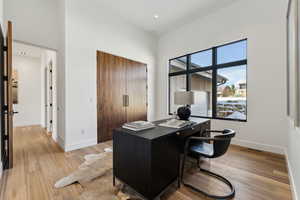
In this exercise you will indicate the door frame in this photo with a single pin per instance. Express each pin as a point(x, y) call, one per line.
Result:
point(98, 89)
point(7, 111)
point(3, 156)
point(55, 91)
point(10, 111)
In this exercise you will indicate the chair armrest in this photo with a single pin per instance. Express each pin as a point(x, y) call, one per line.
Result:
point(201, 138)
point(225, 131)
point(207, 139)
point(213, 131)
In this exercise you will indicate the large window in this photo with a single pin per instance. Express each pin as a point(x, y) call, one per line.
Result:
point(218, 78)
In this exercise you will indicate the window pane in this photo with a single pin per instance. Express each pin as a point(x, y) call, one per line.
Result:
point(201, 85)
point(232, 52)
point(177, 83)
point(178, 64)
point(232, 92)
point(201, 59)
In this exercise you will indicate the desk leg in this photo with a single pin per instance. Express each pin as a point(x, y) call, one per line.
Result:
point(114, 180)
point(178, 178)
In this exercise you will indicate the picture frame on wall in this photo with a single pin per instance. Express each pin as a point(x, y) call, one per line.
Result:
point(293, 79)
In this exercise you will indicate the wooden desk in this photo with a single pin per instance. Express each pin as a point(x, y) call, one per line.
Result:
point(149, 161)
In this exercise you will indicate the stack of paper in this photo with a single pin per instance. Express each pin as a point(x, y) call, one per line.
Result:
point(138, 125)
point(175, 123)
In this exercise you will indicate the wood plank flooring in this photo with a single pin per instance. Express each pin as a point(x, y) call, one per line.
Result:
point(39, 163)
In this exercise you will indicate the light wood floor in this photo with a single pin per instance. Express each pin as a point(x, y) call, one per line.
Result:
point(39, 163)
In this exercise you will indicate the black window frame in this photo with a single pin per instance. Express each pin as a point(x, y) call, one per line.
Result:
point(214, 67)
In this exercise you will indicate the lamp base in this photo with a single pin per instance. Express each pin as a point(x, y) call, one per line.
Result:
point(184, 113)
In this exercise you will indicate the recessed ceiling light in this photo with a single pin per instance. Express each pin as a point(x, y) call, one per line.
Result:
point(156, 16)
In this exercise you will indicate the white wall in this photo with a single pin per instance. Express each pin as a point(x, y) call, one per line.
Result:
point(264, 26)
point(61, 111)
point(88, 29)
point(29, 91)
point(34, 21)
point(43, 88)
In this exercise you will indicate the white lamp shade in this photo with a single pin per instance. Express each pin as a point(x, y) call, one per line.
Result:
point(184, 98)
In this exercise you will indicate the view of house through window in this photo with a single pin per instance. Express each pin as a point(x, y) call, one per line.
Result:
point(231, 93)
point(177, 83)
point(201, 85)
point(218, 78)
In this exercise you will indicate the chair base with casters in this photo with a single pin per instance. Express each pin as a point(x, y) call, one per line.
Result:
point(198, 147)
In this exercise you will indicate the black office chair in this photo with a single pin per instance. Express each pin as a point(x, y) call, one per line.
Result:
point(197, 147)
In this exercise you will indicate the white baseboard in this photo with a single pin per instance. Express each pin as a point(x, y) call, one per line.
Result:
point(291, 177)
point(27, 126)
point(259, 146)
point(80, 145)
point(61, 142)
point(54, 138)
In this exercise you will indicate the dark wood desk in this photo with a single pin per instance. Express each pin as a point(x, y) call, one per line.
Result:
point(149, 161)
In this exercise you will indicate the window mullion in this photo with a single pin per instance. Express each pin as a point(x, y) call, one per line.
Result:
point(214, 83)
point(188, 77)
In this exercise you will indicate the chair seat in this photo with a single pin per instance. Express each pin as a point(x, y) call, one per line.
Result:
point(202, 148)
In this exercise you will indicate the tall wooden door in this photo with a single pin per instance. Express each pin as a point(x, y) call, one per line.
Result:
point(9, 97)
point(6, 99)
point(111, 76)
point(136, 91)
point(121, 93)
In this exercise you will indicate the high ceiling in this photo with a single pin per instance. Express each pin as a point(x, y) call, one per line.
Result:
point(171, 13)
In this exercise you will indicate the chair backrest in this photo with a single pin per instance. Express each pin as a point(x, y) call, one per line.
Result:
point(222, 143)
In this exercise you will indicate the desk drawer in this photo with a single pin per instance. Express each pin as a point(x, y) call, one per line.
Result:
point(189, 132)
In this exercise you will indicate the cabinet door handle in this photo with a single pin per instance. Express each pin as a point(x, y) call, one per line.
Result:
point(124, 100)
point(127, 102)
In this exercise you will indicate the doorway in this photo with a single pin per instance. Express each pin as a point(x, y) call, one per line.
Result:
point(34, 89)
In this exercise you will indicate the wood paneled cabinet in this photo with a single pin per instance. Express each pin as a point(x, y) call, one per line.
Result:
point(121, 93)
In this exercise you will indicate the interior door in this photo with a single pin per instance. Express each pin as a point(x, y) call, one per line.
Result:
point(111, 88)
point(3, 152)
point(136, 91)
point(49, 99)
point(9, 97)
point(6, 100)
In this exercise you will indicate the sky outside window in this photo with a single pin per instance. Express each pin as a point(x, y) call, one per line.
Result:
point(233, 52)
